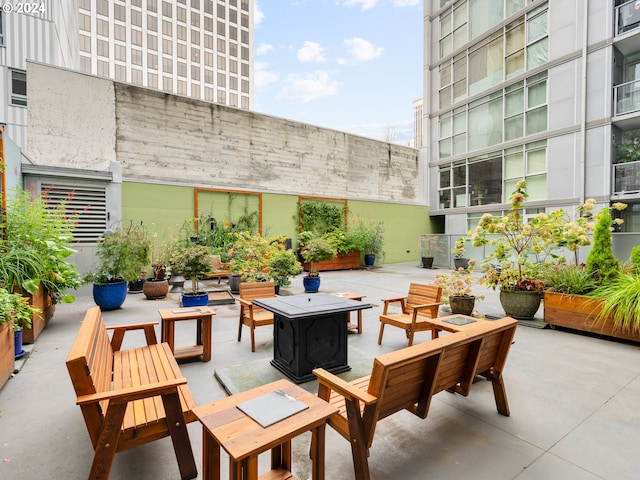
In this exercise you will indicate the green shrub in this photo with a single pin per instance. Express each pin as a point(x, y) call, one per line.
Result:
point(601, 263)
point(572, 279)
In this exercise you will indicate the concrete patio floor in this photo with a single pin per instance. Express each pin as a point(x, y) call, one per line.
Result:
point(573, 400)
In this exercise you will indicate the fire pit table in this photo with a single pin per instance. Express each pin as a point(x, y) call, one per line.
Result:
point(310, 331)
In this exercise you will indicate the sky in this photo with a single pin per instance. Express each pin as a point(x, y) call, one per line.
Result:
point(351, 65)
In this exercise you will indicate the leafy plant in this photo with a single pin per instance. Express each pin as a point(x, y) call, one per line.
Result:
point(571, 279)
point(620, 302)
point(122, 253)
point(635, 258)
point(368, 236)
point(191, 260)
point(14, 307)
point(37, 238)
point(459, 249)
point(601, 263)
point(250, 256)
point(458, 283)
point(430, 245)
point(317, 250)
point(284, 265)
point(321, 217)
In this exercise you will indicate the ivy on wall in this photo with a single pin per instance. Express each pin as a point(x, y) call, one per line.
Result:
point(320, 216)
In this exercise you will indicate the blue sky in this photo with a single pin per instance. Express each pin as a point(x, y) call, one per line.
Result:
point(351, 65)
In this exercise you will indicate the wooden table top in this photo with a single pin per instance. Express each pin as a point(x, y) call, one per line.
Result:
point(242, 437)
point(186, 313)
point(442, 324)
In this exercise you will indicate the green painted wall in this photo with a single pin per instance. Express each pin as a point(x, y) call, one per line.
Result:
point(164, 208)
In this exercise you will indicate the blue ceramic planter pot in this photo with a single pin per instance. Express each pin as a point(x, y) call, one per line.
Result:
point(18, 352)
point(109, 296)
point(369, 260)
point(311, 284)
point(195, 300)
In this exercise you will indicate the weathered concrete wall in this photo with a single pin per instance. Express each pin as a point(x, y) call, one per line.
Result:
point(71, 118)
point(83, 122)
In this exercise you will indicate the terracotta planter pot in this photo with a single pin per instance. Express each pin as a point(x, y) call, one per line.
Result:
point(579, 312)
point(155, 289)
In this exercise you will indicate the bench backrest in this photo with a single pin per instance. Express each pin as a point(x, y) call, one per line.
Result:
point(254, 290)
point(90, 366)
point(421, 294)
point(408, 378)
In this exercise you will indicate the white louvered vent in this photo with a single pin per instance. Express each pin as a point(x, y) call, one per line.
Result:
point(89, 202)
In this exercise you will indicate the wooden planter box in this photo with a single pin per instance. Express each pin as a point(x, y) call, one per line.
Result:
point(42, 301)
point(579, 312)
point(342, 262)
point(7, 352)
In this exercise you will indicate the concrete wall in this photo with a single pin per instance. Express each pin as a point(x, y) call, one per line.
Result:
point(84, 122)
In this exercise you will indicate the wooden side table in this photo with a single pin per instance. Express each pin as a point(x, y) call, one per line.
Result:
point(224, 425)
point(353, 296)
point(441, 324)
point(202, 316)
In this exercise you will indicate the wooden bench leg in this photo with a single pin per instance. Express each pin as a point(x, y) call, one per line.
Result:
point(179, 436)
point(381, 333)
point(108, 441)
point(359, 445)
point(240, 323)
point(500, 394)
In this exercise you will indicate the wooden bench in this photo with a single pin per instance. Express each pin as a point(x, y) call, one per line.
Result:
point(251, 315)
point(421, 303)
point(129, 397)
point(408, 378)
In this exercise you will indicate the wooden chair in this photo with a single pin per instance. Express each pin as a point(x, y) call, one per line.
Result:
point(129, 397)
point(251, 315)
point(218, 269)
point(422, 301)
point(407, 379)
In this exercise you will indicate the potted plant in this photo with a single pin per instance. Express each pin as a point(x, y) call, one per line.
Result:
point(157, 287)
point(192, 260)
point(457, 289)
point(430, 245)
point(284, 265)
point(122, 253)
point(514, 265)
point(16, 313)
point(369, 239)
point(314, 251)
point(34, 255)
point(458, 251)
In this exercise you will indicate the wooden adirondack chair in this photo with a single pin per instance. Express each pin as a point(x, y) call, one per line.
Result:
point(422, 301)
point(251, 315)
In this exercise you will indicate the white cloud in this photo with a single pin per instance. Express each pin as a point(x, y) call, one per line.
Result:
point(262, 76)
point(310, 87)
point(405, 3)
point(364, 4)
point(258, 16)
point(311, 52)
point(362, 50)
point(263, 49)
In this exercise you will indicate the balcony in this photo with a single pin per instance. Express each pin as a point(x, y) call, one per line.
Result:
point(626, 178)
point(628, 17)
point(626, 98)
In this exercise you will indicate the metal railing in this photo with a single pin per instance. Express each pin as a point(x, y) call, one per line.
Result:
point(626, 97)
point(626, 177)
point(627, 17)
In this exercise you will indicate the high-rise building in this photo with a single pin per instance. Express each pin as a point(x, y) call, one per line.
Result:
point(198, 48)
point(543, 90)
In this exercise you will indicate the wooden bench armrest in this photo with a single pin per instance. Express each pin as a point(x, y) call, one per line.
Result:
point(426, 306)
point(132, 326)
point(394, 299)
point(246, 303)
point(343, 388)
point(133, 393)
point(120, 330)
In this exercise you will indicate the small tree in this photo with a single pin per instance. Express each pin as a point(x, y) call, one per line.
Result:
point(601, 263)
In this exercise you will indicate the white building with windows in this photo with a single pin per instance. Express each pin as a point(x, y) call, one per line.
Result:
point(199, 48)
point(534, 89)
point(47, 34)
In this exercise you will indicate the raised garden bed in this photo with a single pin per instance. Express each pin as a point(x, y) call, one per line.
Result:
point(342, 262)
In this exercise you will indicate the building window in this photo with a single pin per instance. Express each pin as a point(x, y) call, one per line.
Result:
point(19, 88)
point(1, 28)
